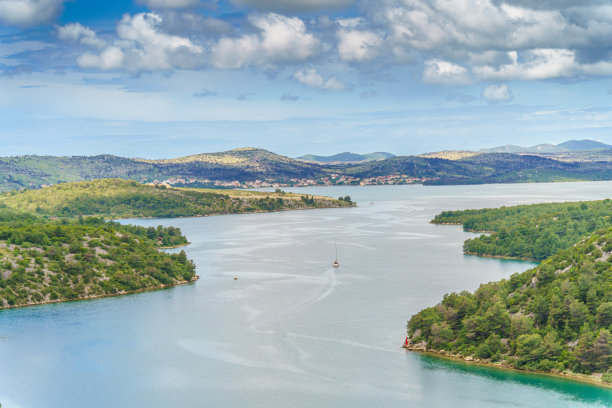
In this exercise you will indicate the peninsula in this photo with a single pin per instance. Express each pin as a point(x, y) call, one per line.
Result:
point(555, 318)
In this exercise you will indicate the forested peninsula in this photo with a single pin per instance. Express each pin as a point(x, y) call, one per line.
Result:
point(554, 318)
point(532, 232)
point(57, 243)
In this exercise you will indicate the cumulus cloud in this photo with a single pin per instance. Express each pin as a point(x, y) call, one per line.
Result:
point(497, 93)
point(458, 42)
point(75, 32)
point(358, 45)
point(537, 64)
point(280, 39)
point(312, 78)
point(111, 58)
point(168, 4)
point(234, 52)
point(29, 12)
point(445, 73)
point(143, 46)
point(551, 39)
point(284, 38)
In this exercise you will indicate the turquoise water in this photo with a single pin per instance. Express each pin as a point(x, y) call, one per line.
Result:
point(291, 331)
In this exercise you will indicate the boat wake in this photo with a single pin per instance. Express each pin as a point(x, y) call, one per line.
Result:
point(329, 282)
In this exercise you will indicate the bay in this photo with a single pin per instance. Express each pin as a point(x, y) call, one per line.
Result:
point(291, 330)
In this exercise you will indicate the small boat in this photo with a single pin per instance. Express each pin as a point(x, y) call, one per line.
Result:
point(235, 278)
point(336, 263)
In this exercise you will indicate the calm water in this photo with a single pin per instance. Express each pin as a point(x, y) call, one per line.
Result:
point(292, 331)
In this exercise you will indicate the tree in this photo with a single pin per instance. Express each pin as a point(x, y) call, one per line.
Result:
point(528, 348)
point(604, 314)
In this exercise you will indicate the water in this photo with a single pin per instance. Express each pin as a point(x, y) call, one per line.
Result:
point(292, 331)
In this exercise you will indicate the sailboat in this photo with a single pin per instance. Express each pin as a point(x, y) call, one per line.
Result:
point(336, 263)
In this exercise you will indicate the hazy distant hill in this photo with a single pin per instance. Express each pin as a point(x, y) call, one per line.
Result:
point(346, 157)
point(250, 164)
point(485, 168)
point(586, 144)
point(569, 146)
point(238, 164)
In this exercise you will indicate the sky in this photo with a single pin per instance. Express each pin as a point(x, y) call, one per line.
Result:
point(168, 78)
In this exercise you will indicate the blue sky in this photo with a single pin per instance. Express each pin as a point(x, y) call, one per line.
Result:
point(165, 78)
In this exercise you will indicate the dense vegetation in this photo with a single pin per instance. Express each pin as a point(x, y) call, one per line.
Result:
point(555, 317)
point(251, 164)
point(115, 198)
point(530, 231)
point(42, 261)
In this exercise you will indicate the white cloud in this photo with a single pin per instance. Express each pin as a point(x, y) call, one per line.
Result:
point(111, 58)
point(143, 46)
point(445, 73)
point(497, 93)
point(358, 45)
point(284, 38)
point(168, 4)
point(29, 12)
point(562, 41)
point(234, 52)
point(142, 43)
point(77, 33)
point(280, 40)
point(310, 77)
point(537, 64)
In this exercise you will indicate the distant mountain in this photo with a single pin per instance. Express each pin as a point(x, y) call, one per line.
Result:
point(586, 144)
point(243, 167)
point(569, 146)
point(346, 157)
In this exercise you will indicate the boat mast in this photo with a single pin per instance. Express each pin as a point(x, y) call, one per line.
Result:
point(336, 246)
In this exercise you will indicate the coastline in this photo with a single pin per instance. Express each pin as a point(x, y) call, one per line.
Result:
point(174, 246)
point(582, 378)
point(509, 258)
point(228, 213)
point(91, 297)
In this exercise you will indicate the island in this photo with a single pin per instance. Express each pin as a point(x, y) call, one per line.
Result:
point(554, 318)
point(59, 243)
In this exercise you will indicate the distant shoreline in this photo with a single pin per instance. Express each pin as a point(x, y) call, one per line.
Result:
point(582, 378)
point(215, 214)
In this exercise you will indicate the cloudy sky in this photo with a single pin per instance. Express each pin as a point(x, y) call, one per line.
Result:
point(164, 78)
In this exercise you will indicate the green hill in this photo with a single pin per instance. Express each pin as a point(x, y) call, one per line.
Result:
point(556, 317)
point(45, 262)
point(534, 231)
point(238, 164)
point(115, 198)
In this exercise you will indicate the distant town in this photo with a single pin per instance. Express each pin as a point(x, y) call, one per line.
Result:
point(332, 180)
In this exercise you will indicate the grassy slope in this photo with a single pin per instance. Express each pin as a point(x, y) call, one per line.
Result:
point(115, 198)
